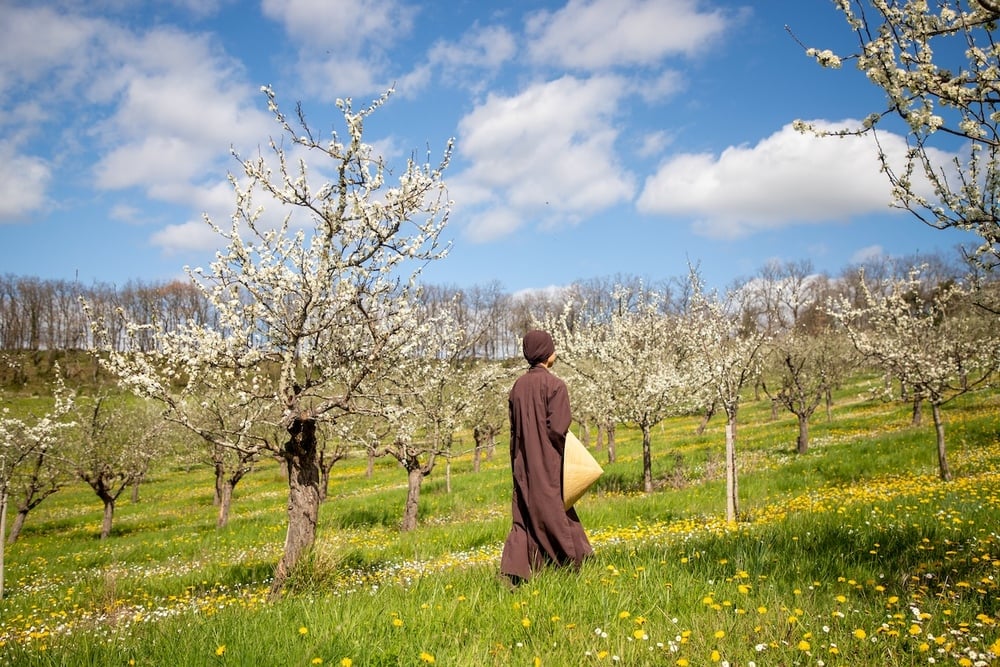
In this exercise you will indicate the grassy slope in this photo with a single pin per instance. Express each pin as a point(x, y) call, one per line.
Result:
point(853, 553)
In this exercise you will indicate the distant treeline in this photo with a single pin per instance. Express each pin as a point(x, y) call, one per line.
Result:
point(37, 314)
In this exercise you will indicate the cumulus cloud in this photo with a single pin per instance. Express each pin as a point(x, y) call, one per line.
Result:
point(596, 34)
point(785, 179)
point(23, 183)
point(547, 153)
point(343, 44)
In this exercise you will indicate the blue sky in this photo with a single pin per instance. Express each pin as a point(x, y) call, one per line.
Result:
point(594, 138)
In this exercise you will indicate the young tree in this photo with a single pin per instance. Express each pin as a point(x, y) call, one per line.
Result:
point(720, 360)
point(313, 309)
point(802, 369)
point(635, 357)
point(932, 340)
point(22, 441)
point(116, 438)
point(937, 63)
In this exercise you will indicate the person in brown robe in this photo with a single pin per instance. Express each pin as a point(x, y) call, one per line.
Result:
point(543, 532)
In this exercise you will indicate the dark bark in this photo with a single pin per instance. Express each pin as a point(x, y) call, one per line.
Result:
point(943, 470)
point(647, 460)
point(303, 498)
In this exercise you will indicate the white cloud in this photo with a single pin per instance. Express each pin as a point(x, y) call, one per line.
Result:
point(23, 183)
point(785, 179)
point(867, 253)
point(596, 34)
point(343, 45)
point(547, 153)
point(191, 235)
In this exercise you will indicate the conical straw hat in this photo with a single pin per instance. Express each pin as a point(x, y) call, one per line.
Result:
point(580, 470)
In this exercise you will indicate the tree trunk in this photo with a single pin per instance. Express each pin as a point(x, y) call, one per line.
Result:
point(600, 438)
point(3, 531)
point(732, 486)
point(370, 469)
point(220, 482)
point(135, 489)
point(943, 470)
point(647, 461)
point(15, 528)
point(303, 498)
point(612, 454)
point(918, 413)
point(447, 474)
point(802, 443)
point(415, 477)
point(324, 483)
point(225, 502)
point(109, 515)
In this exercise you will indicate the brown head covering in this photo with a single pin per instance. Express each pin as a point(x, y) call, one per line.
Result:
point(538, 346)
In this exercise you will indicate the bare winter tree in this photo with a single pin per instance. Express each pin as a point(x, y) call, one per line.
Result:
point(313, 308)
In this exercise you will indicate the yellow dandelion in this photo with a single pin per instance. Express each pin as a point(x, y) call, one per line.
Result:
point(834, 650)
point(719, 634)
point(716, 656)
point(303, 630)
point(526, 622)
point(924, 647)
point(639, 634)
point(915, 629)
point(316, 661)
point(804, 645)
point(841, 599)
point(762, 609)
point(860, 634)
point(221, 650)
point(537, 662)
point(601, 655)
point(397, 622)
point(964, 662)
point(555, 619)
point(426, 657)
point(995, 647)
point(346, 662)
point(683, 662)
point(623, 614)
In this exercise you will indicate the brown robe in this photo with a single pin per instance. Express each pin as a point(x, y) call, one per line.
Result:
point(543, 532)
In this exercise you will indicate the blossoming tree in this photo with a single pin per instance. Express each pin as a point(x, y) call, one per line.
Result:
point(633, 358)
point(938, 64)
point(27, 443)
point(719, 362)
point(930, 338)
point(311, 308)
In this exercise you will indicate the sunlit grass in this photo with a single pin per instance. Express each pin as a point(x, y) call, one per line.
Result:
point(854, 553)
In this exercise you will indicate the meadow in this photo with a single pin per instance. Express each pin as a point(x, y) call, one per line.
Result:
point(854, 553)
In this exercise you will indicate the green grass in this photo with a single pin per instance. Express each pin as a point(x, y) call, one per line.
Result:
point(853, 553)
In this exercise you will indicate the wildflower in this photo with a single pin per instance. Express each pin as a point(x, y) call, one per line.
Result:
point(683, 662)
point(221, 650)
point(623, 614)
point(860, 634)
point(537, 662)
point(804, 645)
point(346, 662)
point(316, 661)
point(426, 657)
point(915, 629)
point(719, 634)
point(640, 634)
point(303, 631)
point(526, 622)
point(716, 656)
point(762, 609)
point(397, 622)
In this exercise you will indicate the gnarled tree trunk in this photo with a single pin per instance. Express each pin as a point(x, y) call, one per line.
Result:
point(303, 498)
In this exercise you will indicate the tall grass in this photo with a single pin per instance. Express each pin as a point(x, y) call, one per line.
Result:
point(853, 553)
